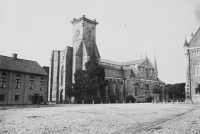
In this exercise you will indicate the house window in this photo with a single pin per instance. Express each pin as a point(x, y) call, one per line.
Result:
point(30, 98)
point(3, 82)
point(16, 97)
point(2, 97)
point(41, 99)
point(41, 85)
point(18, 83)
point(31, 84)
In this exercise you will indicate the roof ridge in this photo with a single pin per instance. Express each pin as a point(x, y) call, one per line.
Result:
point(18, 58)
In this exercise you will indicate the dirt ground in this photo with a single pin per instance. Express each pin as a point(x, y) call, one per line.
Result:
point(101, 119)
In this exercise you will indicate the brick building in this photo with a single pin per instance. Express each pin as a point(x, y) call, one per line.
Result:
point(193, 67)
point(137, 77)
point(22, 81)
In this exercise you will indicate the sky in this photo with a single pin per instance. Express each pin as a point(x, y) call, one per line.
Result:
point(127, 29)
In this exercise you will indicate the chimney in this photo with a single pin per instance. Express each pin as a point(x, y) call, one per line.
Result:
point(192, 34)
point(14, 55)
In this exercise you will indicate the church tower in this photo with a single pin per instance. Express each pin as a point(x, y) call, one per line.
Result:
point(84, 42)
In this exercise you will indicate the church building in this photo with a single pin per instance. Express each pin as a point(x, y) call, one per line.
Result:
point(193, 67)
point(136, 78)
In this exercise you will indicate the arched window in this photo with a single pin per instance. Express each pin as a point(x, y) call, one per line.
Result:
point(31, 83)
point(193, 53)
point(3, 80)
point(41, 83)
point(62, 71)
point(147, 87)
point(18, 81)
point(136, 89)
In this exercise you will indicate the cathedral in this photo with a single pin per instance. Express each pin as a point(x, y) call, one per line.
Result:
point(136, 77)
point(193, 67)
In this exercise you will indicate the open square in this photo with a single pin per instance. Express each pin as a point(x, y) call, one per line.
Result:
point(101, 118)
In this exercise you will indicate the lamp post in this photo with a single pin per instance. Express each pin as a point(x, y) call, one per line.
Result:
point(189, 74)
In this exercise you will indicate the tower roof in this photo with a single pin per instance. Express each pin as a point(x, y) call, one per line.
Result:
point(84, 19)
point(194, 42)
point(186, 43)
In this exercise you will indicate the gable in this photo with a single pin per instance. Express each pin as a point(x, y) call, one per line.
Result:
point(195, 41)
point(147, 63)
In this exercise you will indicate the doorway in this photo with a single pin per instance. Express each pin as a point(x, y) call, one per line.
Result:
point(35, 99)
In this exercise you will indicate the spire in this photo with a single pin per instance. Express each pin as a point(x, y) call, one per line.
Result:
point(155, 64)
point(186, 43)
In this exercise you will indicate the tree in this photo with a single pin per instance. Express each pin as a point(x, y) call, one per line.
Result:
point(156, 91)
point(176, 91)
point(90, 82)
point(95, 77)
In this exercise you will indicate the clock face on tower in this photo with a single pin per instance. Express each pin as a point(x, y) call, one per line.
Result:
point(77, 32)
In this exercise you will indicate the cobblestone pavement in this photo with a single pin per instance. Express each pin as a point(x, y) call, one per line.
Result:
point(101, 119)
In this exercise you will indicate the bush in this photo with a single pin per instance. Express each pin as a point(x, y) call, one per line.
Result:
point(130, 98)
point(150, 99)
point(113, 99)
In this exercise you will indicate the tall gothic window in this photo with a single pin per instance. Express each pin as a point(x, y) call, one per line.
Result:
point(62, 71)
point(3, 80)
point(147, 73)
point(196, 69)
point(136, 90)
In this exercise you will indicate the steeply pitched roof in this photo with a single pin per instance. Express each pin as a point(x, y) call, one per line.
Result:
point(21, 65)
point(195, 41)
point(133, 62)
point(111, 72)
point(186, 44)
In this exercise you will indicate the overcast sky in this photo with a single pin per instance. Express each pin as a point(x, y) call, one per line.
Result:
point(126, 29)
